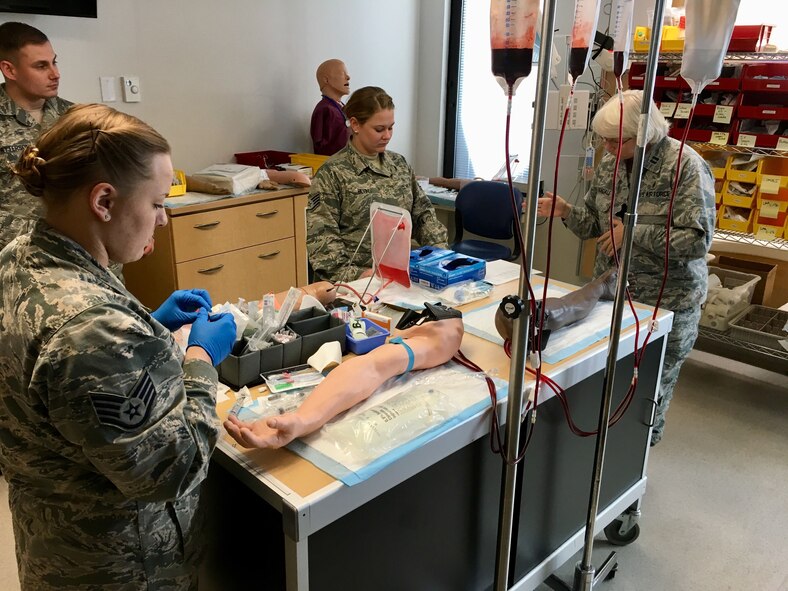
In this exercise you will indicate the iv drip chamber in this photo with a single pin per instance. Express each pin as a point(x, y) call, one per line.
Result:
point(512, 35)
point(709, 24)
point(622, 35)
point(583, 31)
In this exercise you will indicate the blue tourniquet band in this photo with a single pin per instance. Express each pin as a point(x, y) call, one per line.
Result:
point(411, 356)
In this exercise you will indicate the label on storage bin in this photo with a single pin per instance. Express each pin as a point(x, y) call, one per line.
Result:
point(719, 137)
point(782, 143)
point(770, 183)
point(722, 114)
point(746, 140)
point(683, 111)
point(667, 109)
point(773, 86)
point(766, 233)
point(769, 209)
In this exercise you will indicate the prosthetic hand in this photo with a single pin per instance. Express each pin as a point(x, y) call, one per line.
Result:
point(574, 306)
point(322, 291)
point(288, 177)
point(544, 205)
point(181, 307)
point(214, 334)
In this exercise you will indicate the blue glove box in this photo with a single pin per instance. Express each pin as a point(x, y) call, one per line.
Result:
point(451, 269)
point(362, 346)
point(425, 255)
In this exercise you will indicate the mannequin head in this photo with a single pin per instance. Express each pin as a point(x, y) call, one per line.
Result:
point(606, 121)
point(370, 113)
point(333, 79)
point(29, 65)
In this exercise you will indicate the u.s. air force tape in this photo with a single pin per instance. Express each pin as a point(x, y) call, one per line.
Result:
point(125, 412)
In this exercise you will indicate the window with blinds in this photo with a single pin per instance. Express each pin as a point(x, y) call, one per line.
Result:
point(480, 114)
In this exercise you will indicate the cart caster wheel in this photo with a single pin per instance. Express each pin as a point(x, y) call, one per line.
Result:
point(615, 537)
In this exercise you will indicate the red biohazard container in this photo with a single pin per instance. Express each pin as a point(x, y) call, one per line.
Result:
point(264, 158)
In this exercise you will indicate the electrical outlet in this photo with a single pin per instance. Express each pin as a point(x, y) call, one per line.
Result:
point(131, 89)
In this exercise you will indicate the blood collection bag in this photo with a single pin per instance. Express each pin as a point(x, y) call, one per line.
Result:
point(622, 35)
point(391, 231)
point(709, 24)
point(512, 35)
point(583, 32)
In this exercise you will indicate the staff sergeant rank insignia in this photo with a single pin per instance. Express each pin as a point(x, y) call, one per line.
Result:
point(125, 412)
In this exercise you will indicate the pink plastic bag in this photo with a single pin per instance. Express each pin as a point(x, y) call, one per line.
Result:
point(391, 231)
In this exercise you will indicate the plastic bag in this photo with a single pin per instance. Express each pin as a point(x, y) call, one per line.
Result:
point(385, 426)
point(391, 232)
point(709, 24)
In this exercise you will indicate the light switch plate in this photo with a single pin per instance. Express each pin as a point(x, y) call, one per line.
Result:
point(131, 89)
point(108, 89)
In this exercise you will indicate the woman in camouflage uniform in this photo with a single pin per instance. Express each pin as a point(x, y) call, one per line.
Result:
point(106, 428)
point(691, 232)
point(362, 172)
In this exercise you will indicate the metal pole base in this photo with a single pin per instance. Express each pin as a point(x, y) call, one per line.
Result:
point(586, 579)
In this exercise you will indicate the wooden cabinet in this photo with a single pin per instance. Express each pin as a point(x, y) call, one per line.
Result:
point(234, 247)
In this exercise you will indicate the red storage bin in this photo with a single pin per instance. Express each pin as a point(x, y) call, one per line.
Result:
point(762, 140)
point(749, 37)
point(764, 78)
point(264, 158)
point(698, 135)
point(763, 105)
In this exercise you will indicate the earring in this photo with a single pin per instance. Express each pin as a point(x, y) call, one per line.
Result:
point(106, 218)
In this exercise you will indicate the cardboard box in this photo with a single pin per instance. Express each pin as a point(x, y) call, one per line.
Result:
point(766, 271)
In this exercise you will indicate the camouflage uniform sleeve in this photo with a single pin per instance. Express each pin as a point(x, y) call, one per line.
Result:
point(145, 422)
point(692, 230)
point(583, 219)
point(428, 230)
point(326, 250)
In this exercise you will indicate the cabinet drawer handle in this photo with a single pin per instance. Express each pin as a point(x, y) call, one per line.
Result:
point(267, 214)
point(210, 269)
point(268, 255)
point(206, 226)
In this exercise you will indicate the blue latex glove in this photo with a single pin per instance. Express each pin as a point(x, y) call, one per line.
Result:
point(215, 334)
point(181, 307)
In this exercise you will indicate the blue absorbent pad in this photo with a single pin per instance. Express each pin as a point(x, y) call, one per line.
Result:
point(562, 343)
point(350, 476)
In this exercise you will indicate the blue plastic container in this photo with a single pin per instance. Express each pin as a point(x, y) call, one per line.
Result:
point(425, 255)
point(454, 268)
point(361, 346)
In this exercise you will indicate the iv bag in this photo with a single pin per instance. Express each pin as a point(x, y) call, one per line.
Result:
point(512, 35)
point(709, 24)
point(622, 35)
point(391, 231)
point(583, 32)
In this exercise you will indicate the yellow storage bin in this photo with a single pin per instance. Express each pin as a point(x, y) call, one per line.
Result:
point(772, 205)
point(735, 200)
point(642, 38)
point(717, 161)
point(314, 161)
point(769, 228)
point(729, 219)
point(775, 172)
point(178, 183)
point(739, 168)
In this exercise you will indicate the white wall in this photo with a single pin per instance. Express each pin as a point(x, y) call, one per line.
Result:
point(225, 77)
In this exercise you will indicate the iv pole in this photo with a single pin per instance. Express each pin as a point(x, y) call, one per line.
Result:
point(520, 324)
point(584, 571)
